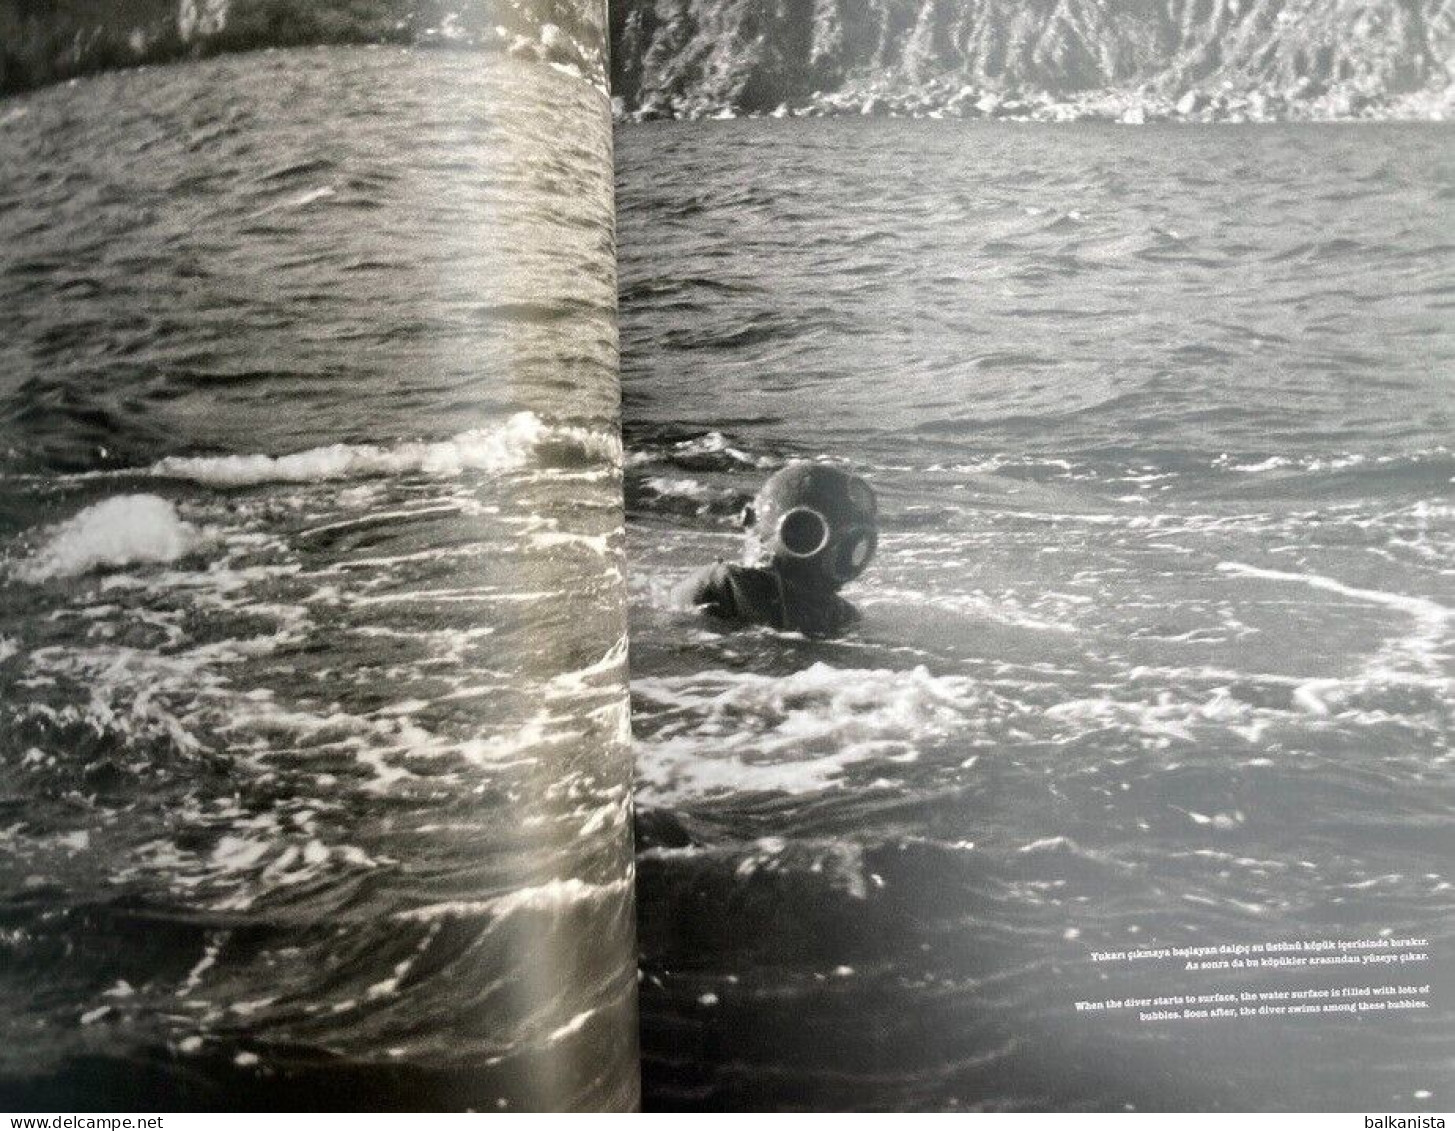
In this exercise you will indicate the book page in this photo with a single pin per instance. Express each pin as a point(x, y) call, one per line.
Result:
point(313, 724)
point(1115, 774)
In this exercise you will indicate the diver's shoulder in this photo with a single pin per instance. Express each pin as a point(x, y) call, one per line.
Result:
point(747, 574)
point(707, 586)
point(725, 589)
point(829, 618)
point(753, 592)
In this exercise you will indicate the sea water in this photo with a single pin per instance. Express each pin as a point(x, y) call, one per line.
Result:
point(313, 753)
point(1156, 649)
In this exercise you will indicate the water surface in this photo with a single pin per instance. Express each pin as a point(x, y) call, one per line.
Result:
point(1156, 651)
point(313, 752)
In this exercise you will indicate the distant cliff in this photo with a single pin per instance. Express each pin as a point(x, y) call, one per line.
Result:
point(1131, 59)
point(45, 40)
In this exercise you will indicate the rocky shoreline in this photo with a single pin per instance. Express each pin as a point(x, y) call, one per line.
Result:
point(71, 38)
point(1133, 61)
point(1306, 101)
point(1128, 61)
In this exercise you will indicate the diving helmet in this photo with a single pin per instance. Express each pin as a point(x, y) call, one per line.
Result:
point(812, 519)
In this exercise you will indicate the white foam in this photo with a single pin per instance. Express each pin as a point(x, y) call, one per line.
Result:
point(124, 530)
point(609, 669)
point(1272, 463)
point(239, 854)
point(402, 969)
point(1340, 462)
point(204, 964)
point(668, 487)
point(1001, 608)
point(545, 533)
point(542, 729)
point(1418, 607)
point(505, 447)
point(307, 198)
point(552, 896)
point(841, 863)
point(727, 731)
point(1420, 649)
point(575, 1025)
point(710, 443)
point(612, 815)
point(1164, 721)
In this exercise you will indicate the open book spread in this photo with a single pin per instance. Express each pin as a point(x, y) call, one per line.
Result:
point(867, 554)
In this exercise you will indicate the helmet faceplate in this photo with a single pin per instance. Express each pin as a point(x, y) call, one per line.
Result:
point(817, 522)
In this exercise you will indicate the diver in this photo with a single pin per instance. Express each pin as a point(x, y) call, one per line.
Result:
point(811, 530)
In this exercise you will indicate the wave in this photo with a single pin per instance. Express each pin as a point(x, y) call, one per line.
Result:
point(722, 731)
point(1336, 462)
point(839, 864)
point(711, 451)
point(685, 496)
point(551, 897)
point(667, 487)
point(1426, 612)
point(506, 447)
point(1003, 609)
point(1413, 660)
point(124, 530)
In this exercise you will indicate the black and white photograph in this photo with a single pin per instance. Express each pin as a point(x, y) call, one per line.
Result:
point(1133, 322)
point(727, 555)
point(313, 720)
